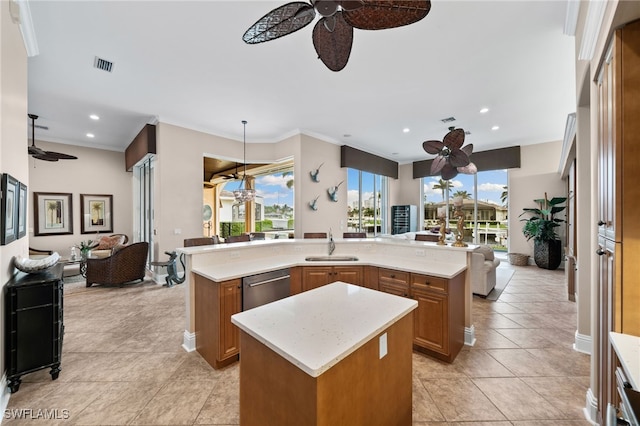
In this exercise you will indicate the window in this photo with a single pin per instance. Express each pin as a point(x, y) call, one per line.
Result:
point(143, 200)
point(273, 205)
point(366, 202)
point(485, 197)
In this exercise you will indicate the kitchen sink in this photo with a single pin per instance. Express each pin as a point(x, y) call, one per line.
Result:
point(331, 258)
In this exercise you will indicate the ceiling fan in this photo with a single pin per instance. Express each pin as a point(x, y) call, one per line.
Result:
point(333, 33)
point(40, 153)
point(232, 176)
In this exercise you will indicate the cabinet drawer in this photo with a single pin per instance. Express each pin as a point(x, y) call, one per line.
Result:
point(427, 282)
point(393, 277)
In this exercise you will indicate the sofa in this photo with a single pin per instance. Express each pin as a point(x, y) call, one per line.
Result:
point(482, 270)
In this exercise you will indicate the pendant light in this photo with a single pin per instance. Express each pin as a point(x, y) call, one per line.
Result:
point(242, 195)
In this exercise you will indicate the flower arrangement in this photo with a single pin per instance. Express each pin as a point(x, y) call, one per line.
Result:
point(85, 246)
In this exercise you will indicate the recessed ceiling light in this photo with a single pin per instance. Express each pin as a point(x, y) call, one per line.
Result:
point(394, 153)
point(495, 127)
point(484, 110)
point(91, 135)
point(346, 135)
point(94, 117)
point(406, 130)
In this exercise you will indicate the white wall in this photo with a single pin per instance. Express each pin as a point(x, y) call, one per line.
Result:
point(13, 143)
point(96, 171)
point(538, 173)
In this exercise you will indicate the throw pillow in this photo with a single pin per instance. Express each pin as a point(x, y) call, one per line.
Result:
point(109, 242)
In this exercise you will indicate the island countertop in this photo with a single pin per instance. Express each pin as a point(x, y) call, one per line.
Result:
point(316, 329)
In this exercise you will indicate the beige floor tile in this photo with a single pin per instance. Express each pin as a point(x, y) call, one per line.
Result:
point(424, 409)
point(461, 400)
point(425, 367)
point(529, 338)
point(478, 363)
point(177, 403)
point(517, 400)
point(488, 338)
point(523, 364)
point(222, 406)
point(566, 395)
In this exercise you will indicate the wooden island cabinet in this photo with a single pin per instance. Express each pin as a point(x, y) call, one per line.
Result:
point(318, 276)
point(438, 321)
point(218, 340)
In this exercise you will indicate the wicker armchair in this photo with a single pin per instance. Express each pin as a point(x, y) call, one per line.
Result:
point(125, 265)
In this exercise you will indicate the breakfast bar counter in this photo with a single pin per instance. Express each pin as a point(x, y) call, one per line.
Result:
point(304, 358)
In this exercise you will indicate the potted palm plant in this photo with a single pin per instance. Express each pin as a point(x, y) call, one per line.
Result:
point(541, 226)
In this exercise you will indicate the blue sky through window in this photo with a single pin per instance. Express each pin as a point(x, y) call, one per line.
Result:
point(490, 186)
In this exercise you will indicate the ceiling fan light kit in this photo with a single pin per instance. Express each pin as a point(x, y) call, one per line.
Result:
point(242, 195)
point(333, 33)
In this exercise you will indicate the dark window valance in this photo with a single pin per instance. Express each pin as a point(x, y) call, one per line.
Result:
point(493, 159)
point(144, 143)
point(361, 160)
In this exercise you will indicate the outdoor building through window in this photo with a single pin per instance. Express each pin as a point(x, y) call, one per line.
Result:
point(485, 201)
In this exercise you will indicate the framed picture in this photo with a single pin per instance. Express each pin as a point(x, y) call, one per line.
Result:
point(9, 209)
point(22, 210)
point(53, 213)
point(96, 212)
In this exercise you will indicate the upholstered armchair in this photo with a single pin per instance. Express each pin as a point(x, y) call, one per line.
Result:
point(483, 270)
point(124, 265)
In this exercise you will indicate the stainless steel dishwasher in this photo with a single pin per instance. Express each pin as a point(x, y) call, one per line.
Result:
point(264, 288)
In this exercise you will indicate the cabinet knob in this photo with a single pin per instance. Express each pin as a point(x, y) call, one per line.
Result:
point(600, 252)
point(601, 222)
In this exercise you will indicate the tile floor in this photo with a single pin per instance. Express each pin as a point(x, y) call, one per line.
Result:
point(123, 364)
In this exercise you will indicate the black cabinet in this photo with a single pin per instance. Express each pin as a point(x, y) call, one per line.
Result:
point(34, 327)
point(404, 219)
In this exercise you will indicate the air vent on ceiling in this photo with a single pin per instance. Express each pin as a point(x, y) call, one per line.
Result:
point(37, 126)
point(103, 64)
point(466, 132)
point(448, 119)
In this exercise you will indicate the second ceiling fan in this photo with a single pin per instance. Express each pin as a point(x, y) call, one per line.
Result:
point(40, 153)
point(333, 33)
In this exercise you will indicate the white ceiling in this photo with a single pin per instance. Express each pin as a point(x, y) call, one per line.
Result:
point(185, 63)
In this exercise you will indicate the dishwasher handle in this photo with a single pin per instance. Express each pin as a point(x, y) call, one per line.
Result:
point(283, 277)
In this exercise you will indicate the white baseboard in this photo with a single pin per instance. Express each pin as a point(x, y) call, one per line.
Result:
point(582, 343)
point(591, 408)
point(159, 278)
point(470, 336)
point(189, 341)
point(5, 395)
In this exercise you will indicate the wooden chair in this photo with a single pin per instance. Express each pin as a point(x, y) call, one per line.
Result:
point(315, 235)
point(237, 238)
point(201, 241)
point(427, 237)
point(125, 265)
point(354, 235)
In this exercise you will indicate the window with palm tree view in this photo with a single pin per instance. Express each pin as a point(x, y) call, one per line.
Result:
point(485, 198)
point(366, 201)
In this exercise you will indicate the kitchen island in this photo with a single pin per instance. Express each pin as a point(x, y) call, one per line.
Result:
point(338, 354)
point(433, 275)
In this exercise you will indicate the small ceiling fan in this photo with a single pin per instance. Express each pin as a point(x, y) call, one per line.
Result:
point(333, 33)
point(232, 176)
point(40, 153)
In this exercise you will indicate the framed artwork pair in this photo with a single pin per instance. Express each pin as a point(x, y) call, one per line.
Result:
point(13, 209)
point(53, 213)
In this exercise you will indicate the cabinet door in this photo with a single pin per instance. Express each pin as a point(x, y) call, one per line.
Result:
point(230, 304)
point(371, 277)
point(430, 328)
point(315, 276)
point(348, 274)
point(393, 277)
point(296, 280)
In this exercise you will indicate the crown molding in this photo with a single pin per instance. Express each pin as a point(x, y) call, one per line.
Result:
point(571, 17)
point(592, 27)
point(21, 15)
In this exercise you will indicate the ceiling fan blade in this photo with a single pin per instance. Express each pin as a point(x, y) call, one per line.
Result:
point(281, 21)
point(44, 157)
point(60, 156)
point(351, 4)
point(383, 14)
point(333, 47)
point(34, 150)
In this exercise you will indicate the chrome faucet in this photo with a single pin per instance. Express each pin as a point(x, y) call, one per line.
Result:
point(332, 245)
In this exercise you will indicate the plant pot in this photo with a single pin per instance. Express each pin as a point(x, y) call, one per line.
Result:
point(547, 254)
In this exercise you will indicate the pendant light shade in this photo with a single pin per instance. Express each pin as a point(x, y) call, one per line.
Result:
point(242, 194)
